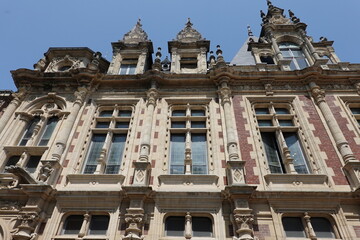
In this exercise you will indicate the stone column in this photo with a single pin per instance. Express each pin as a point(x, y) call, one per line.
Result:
point(243, 220)
point(84, 224)
point(352, 165)
point(13, 105)
point(235, 165)
point(141, 62)
point(275, 47)
point(309, 44)
point(60, 142)
point(188, 226)
point(142, 166)
point(309, 226)
point(25, 231)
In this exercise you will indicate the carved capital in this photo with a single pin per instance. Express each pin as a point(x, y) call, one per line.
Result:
point(80, 95)
point(152, 96)
point(225, 95)
point(318, 94)
point(45, 171)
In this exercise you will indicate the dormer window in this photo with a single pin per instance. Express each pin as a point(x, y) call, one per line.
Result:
point(294, 53)
point(188, 63)
point(128, 66)
point(267, 59)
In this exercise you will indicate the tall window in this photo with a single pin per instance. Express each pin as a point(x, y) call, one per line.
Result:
point(29, 131)
point(94, 224)
point(280, 139)
point(49, 129)
point(200, 227)
point(108, 141)
point(294, 53)
point(188, 142)
point(308, 227)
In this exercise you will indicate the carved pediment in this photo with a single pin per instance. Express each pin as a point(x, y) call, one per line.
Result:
point(188, 34)
point(136, 35)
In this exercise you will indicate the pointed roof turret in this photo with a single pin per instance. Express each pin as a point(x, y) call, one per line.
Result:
point(136, 34)
point(188, 34)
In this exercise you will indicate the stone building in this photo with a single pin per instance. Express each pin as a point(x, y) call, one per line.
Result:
point(187, 147)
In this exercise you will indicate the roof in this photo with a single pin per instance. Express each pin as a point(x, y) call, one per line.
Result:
point(243, 56)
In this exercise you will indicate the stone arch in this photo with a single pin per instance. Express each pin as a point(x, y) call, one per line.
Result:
point(51, 99)
point(291, 39)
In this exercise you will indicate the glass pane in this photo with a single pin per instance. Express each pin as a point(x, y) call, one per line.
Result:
point(355, 110)
point(293, 227)
point(265, 123)
point(107, 113)
point(131, 69)
point(122, 125)
point(294, 146)
point(297, 53)
point(302, 63)
point(96, 145)
point(282, 111)
point(178, 124)
point(32, 164)
point(322, 227)
point(115, 153)
point(177, 153)
point(12, 161)
point(286, 53)
point(98, 225)
point(198, 124)
point(29, 131)
point(293, 66)
point(49, 128)
point(202, 227)
point(102, 124)
point(73, 224)
point(199, 153)
point(261, 110)
point(175, 226)
point(272, 152)
point(124, 113)
point(179, 113)
point(197, 113)
point(286, 123)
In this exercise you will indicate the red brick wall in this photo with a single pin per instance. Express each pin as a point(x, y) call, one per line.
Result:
point(261, 231)
point(245, 147)
point(326, 145)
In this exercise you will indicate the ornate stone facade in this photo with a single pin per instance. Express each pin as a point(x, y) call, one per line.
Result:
point(185, 147)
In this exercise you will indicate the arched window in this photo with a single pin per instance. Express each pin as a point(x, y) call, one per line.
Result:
point(294, 53)
point(29, 131)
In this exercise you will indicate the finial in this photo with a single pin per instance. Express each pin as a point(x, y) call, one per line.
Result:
point(323, 39)
point(189, 24)
point(218, 51)
point(158, 53)
point(138, 22)
point(293, 17)
point(250, 33)
point(269, 3)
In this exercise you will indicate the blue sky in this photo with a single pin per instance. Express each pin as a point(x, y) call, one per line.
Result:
point(29, 28)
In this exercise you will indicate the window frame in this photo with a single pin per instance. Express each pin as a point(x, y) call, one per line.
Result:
point(279, 131)
point(110, 132)
point(188, 131)
point(291, 48)
point(305, 215)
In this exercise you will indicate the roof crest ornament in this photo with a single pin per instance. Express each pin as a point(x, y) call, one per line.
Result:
point(136, 34)
point(250, 33)
point(188, 34)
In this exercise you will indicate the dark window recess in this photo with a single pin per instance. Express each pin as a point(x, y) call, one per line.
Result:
point(178, 113)
point(98, 225)
point(13, 160)
point(293, 227)
point(202, 227)
point(267, 59)
point(64, 68)
point(73, 224)
point(175, 226)
point(32, 163)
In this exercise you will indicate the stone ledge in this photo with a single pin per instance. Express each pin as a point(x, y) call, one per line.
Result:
point(178, 182)
point(94, 182)
point(297, 182)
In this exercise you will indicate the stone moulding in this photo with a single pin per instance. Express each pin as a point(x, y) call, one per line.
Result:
point(95, 182)
point(199, 182)
point(298, 182)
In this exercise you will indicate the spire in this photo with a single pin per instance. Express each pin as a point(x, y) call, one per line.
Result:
point(293, 17)
point(188, 34)
point(135, 35)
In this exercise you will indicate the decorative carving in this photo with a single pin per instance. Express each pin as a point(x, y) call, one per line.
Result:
point(10, 206)
point(135, 220)
point(269, 89)
point(59, 62)
point(293, 17)
point(40, 65)
point(318, 94)
point(357, 86)
point(25, 229)
point(80, 95)
point(45, 172)
point(135, 35)
point(188, 223)
point(188, 34)
point(225, 94)
point(244, 225)
point(152, 96)
point(238, 175)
